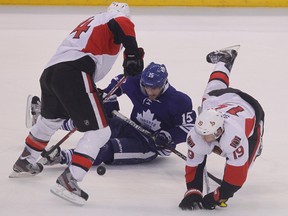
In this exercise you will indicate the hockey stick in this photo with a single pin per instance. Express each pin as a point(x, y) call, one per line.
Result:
point(45, 153)
point(206, 173)
point(119, 83)
point(149, 134)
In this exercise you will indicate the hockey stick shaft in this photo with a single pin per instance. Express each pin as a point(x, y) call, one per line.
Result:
point(149, 134)
point(119, 83)
point(214, 178)
point(45, 153)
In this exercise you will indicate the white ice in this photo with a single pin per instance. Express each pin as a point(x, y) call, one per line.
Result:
point(180, 38)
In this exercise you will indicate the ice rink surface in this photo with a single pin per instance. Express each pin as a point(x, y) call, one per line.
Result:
point(180, 38)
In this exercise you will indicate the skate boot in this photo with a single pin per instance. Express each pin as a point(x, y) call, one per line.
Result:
point(68, 189)
point(33, 110)
point(23, 168)
point(226, 55)
point(57, 157)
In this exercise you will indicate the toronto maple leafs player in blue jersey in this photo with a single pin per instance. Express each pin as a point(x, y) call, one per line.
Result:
point(157, 106)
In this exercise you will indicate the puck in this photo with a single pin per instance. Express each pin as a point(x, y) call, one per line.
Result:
point(101, 170)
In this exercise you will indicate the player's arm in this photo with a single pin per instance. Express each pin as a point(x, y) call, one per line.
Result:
point(183, 119)
point(113, 83)
point(123, 30)
point(194, 176)
point(124, 33)
point(235, 173)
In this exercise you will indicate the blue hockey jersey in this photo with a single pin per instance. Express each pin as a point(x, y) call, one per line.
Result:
point(172, 111)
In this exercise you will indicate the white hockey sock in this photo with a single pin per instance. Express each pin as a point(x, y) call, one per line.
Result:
point(89, 145)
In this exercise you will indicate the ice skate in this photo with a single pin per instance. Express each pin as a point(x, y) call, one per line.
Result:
point(226, 55)
point(67, 188)
point(23, 168)
point(57, 157)
point(33, 109)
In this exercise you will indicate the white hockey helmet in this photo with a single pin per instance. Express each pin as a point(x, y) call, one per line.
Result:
point(209, 122)
point(119, 7)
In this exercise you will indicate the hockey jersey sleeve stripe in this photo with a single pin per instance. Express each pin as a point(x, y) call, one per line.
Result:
point(194, 176)
point(221, 76)
point(236, 175)
point(187, 127)
point(190, 173)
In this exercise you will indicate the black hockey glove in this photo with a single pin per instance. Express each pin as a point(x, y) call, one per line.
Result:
point(212, 199)
point(110, 104)
point(162, 139)
point(133, 62)
point(192, 200)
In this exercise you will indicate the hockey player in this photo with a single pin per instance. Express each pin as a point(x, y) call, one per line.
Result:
point(157, 107)
point(67, 86)
point(231, 124)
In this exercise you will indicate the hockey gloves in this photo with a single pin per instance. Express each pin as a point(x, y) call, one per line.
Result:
point(133, 62)
point(110, 104)
point(192, 200)
point(163, 142)
point(212, 199)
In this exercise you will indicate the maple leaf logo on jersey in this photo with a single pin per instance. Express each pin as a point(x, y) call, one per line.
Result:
point(146, 120)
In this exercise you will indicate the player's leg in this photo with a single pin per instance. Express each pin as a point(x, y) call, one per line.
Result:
point(118, 129)
point(33, 110)
point(41, 132)
point(225, 55)
point(125, 151)
point(126, 146)
point(219, 78)
point(79, 96)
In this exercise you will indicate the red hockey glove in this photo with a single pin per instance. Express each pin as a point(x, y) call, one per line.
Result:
point(133, 62)
point(192, 200)
point(212, 199)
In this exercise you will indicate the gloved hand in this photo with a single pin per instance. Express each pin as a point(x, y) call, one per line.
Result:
point(110, 103)
point(212, 199)
point(192, 200)
point(133, 62)
point(163, 140)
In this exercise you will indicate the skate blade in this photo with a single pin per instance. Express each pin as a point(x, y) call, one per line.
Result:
point(15, 174)
point(63, 193)
point(234, 47)
point(28, 120)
